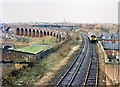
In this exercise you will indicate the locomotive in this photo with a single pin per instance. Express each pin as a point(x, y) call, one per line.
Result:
point(92, 37)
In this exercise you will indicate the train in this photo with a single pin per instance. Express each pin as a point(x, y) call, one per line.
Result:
point(92, 37)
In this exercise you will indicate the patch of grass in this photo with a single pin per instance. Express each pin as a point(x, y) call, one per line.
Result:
point(36, 44)
point(33, 49)
point(45, 40)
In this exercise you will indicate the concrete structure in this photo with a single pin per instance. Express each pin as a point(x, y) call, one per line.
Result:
point(12, 55)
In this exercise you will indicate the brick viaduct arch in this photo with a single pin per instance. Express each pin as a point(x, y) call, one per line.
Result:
point(37, 32)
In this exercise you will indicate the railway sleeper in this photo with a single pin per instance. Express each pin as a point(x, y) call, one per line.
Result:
point(91, 82)
point(92, 74)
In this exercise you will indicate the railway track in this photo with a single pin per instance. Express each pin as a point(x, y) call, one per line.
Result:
point(77, 73)
point(91, 78)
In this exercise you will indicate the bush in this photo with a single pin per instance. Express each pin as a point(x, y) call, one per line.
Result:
point(23, 39)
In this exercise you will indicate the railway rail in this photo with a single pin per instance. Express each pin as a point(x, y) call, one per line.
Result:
point(79, 73)
point(92, 71)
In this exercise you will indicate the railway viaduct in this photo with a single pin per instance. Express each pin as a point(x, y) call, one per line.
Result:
point(39, 32)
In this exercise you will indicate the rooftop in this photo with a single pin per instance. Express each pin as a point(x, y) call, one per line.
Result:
point(109, 36)
point(111, 46)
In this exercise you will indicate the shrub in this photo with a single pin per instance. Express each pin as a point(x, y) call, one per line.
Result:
point(23, 39)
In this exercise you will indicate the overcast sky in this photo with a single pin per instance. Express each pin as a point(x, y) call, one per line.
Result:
point(83, 11)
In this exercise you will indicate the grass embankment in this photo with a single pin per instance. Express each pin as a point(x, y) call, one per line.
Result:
point(39, 44)
point(31, 74)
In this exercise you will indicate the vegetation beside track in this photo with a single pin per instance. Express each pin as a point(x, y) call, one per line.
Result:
point(32, 73)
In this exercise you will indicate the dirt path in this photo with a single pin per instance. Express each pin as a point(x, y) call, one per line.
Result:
point(47, 78)
point(102, 77)
point(112, 73)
